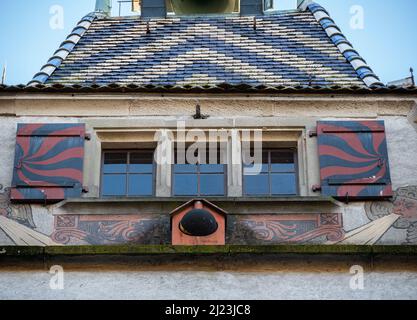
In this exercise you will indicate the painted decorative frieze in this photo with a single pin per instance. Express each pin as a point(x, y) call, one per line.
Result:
point(35, 225)
point(277, 229)
point(111, 229)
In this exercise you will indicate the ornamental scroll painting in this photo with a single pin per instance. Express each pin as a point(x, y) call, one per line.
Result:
point(279, 229)
point(111, 229)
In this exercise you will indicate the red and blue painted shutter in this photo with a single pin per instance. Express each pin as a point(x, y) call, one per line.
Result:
point(48, 163)
point(354, 159)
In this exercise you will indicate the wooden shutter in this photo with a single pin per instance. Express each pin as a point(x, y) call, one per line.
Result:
point(48, 163)
point(354, 159)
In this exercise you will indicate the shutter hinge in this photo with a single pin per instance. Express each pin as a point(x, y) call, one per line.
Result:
point(45, 197)
point(85, 190)
point(87, 136)
point(312, 133)
point(347, 198)
point(316, 188)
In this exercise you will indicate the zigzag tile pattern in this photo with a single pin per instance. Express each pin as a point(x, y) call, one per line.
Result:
point(285, 49)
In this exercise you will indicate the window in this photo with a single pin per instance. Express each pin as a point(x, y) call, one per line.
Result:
point(128, 174)
point(192, 7)
point(277, 174)
point(200, 179)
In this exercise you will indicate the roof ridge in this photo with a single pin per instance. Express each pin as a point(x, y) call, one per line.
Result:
point(64, 49)
point(216, 88)
point(359, 64)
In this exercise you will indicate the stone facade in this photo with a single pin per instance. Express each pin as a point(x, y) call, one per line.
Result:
point(130, 120)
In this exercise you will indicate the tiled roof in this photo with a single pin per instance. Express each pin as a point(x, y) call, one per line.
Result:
point(290, 49)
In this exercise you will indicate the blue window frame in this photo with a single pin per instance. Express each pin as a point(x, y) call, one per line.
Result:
point(200, 179)
point(128, 173)
point(277, 175)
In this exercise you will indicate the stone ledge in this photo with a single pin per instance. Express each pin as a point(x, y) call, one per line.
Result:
point(163, 206)
point(302, 199)
point(21, 251)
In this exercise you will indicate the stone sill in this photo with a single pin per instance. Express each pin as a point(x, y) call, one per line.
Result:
point(181, 200)
point(233, 205)
point(152, 250)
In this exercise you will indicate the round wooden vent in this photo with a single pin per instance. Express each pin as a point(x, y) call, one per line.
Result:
point(198, 223)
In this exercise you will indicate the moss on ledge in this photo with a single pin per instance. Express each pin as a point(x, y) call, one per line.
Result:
point(205, 250)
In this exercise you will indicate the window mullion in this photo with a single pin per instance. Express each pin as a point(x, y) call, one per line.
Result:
point(198, 180)
point(269, 173)
point(127, 174)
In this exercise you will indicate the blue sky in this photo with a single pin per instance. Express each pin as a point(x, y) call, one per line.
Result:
point(388, 40)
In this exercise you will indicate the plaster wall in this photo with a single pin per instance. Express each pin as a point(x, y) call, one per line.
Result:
point(219, 278)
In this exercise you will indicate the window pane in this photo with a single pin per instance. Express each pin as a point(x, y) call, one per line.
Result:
point(140, 185)
point(182, 165)
point(256, 185)
point(212, 168)
point(185, 185)
point(141, 162)
point(114, 185)
point(115, 162)
point(260, 165)
point(212, 184)
point(255, 169)
point(185, 168)
point(282, 161)
point(283, 184)
point(213, 162)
